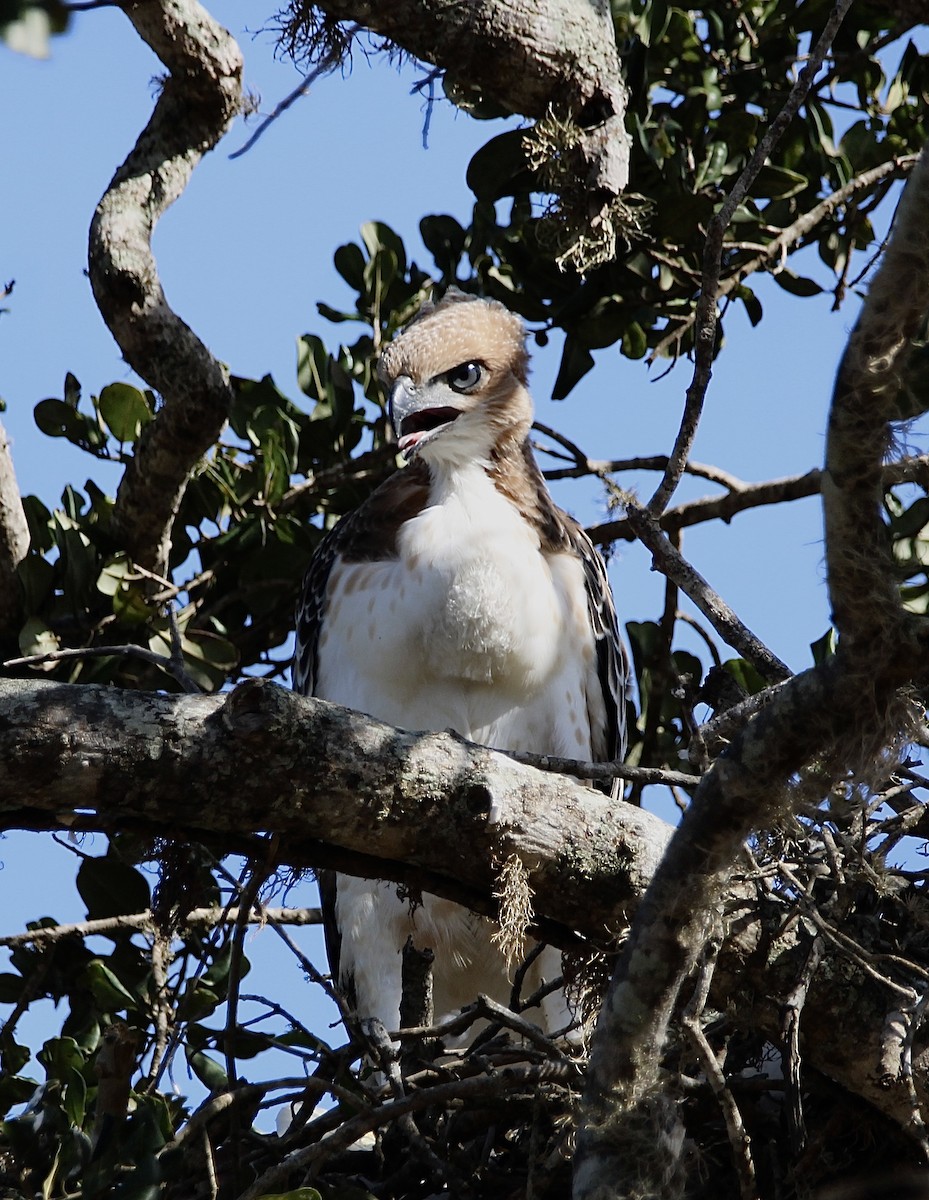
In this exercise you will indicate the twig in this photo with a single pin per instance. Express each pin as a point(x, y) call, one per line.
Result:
point(790, 1033)
point(695, 625)
point(248, 894)
point(651, 462)
point(484, 1008)
point(210, 1165)
point(706, 313)
point(210, 1109)
point(322, 68)
point(164, 1010)
point(661, 670)
point(604, 771)
point(713, 607)
point(169, 665)
point(775, 250)
point(739, 1140)
point(503, 1080)
point(913, 469)
point(854, 951)
point(376, 1035)
point(145, 922)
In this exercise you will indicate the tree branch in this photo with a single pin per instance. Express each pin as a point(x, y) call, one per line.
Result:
point(199, 99)
point(341, 790)
point(145, 922)
point(538, 58)
point(862, 586)
point(706, 315)
point(320, 776)
point(674, 566)
point(775, 250)
point(746, 496)
point(842, 715)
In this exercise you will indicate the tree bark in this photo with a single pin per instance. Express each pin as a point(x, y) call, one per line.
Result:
point(428, 810)
point(844, 715)
point(539, 58)
point(198, 101)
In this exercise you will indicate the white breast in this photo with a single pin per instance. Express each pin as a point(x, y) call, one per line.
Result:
point(470, 628)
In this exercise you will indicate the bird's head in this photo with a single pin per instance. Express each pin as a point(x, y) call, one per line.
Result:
point(456, 379)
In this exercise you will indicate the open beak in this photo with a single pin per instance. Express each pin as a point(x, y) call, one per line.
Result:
point(414, 418)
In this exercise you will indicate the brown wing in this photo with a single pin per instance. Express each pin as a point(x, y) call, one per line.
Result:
point(613, 669)
point(366, 535)
point(369, 534)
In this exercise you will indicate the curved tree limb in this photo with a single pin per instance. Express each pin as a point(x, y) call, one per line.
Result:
point(14, 541)
point(842, 714)
point(199, 99)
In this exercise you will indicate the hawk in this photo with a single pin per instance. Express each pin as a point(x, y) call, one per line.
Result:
point(458, 596)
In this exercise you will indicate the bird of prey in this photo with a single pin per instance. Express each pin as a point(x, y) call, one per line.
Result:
point(458, 596)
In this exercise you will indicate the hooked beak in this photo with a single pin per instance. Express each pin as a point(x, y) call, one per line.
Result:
point(414, 419)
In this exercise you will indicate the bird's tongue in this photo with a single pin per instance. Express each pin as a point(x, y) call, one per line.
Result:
point(407, 444)
point(415, 426)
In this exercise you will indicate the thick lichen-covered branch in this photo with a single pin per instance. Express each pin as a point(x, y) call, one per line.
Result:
point(843, 716)
point(862, 586)
point(552, 60)
point(338, 786)
point(198, 100)
point(428, 810)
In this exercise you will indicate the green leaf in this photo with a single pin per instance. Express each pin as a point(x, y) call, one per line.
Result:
point(797, 285)
point(444, 238)
point(114, 573)
point(36, 574)
point(112, 888)
point(60, 1056)
point(349, 261)
point(11, 987)
point(131, 605)
point(108, 992)
point(13, 1056)
point(576, 361)
point(499, 168)
point(14, 1091)
point(125, 410)
point(208, 1071)
point(824, 648)
point(779, 183)
point(752, 303)
point(635, 341)
point(745, 675)
point(379, 237)
point(39, 520)
point(55, 418)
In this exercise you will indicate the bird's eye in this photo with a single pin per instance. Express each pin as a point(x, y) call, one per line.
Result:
point(465, 377)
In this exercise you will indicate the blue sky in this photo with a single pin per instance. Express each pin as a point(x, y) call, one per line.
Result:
point(247, 251)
